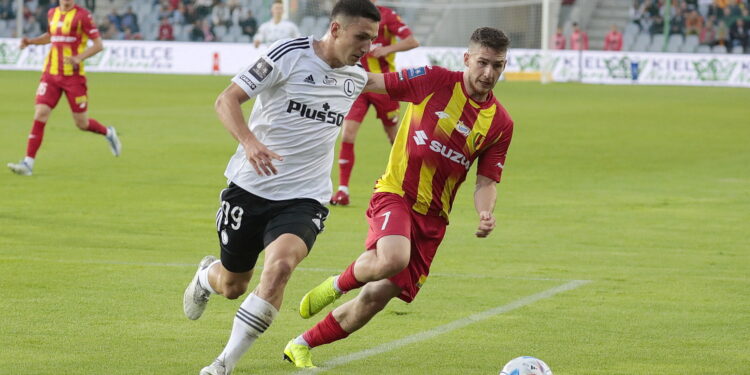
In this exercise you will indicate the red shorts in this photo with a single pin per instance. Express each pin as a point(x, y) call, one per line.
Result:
point(390, 214)
point(385, 108)
point(51, 88)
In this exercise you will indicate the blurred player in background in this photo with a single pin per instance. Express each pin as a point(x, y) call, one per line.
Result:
point(70, 28)
point(381, 59)
point(275, 28)
point(452, 120)
point(280, 175)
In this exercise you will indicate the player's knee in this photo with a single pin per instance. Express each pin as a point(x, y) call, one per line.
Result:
point(41, 115)
point(82, 124)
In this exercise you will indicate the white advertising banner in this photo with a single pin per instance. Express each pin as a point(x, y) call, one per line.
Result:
point(564, 66)
point(142, 57)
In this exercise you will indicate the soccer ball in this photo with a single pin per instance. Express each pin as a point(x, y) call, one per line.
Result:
point(526, 366)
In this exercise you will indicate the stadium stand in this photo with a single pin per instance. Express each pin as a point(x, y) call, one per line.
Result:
point(223, 20)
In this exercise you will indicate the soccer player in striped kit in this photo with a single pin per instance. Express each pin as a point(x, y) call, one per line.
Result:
point(453, 119)
point(381, 59)
point(70, 28)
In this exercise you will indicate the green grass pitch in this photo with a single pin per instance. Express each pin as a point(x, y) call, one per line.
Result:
point(645, 191)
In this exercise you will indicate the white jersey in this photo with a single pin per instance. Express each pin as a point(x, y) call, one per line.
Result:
point(270, 32)
point(300, 106)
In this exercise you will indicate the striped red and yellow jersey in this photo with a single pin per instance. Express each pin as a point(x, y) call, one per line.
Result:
point(69, 32)
point(441, 135)
point(389, 29)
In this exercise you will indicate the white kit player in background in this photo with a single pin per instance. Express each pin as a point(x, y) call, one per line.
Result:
point(276, 28)
point(279, 177)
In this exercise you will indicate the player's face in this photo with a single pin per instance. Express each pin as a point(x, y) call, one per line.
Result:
point(484, 68)
point(277, 10)
point(67, 4)
point(354, 38)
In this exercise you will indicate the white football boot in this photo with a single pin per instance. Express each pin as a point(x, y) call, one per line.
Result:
point(195, 299)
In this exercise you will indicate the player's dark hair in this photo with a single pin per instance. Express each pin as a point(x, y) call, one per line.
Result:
point(491, 38)
point(356, 8)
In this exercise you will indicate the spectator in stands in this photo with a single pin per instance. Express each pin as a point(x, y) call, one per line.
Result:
point(112, 32)
point(693, 23)
point(43, 6)
point(559, 39)
point(676, 25)
point(276, 28)
point(166, 32)
point(164, 12)
point(722, 34)
point(196, 35)
point(652, 8)
point(235, 11)
point(115, 19)
point(208, 31)
point(177, 18)
point(735, 7)
point(726, 15)
point(637, 14)
point(579, 40)
point(657, 26)
point(613, 40)
point(746, 15)
point(707, 36)
point(190, 14)
point(6, 10)
point(738, 34)
point(203, 7)
point(129, 34)
point(220, 15)
point(249, 25)
point(130, 20)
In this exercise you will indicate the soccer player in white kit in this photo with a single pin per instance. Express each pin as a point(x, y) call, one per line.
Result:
point(275, 28)
point(279, 178)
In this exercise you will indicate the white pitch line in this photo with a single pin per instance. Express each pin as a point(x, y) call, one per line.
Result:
point(454, 325)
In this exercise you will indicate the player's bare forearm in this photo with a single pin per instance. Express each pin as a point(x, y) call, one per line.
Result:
point(485, 195)
point(405, 44)
point(95, 48)
point(375, 83)
point(229, 108)
point(41, 39)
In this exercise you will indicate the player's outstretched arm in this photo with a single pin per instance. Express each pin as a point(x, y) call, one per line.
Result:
point(375, 83)
point(484, 201)
point(92, 50)
point(228, 107)
point(402, 45)
point(41, 39)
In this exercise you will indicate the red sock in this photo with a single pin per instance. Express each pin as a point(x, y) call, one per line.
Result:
point(346, 163)
point(35, 138)
point(326, 331)
point(347, 281)
point(96, 127)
